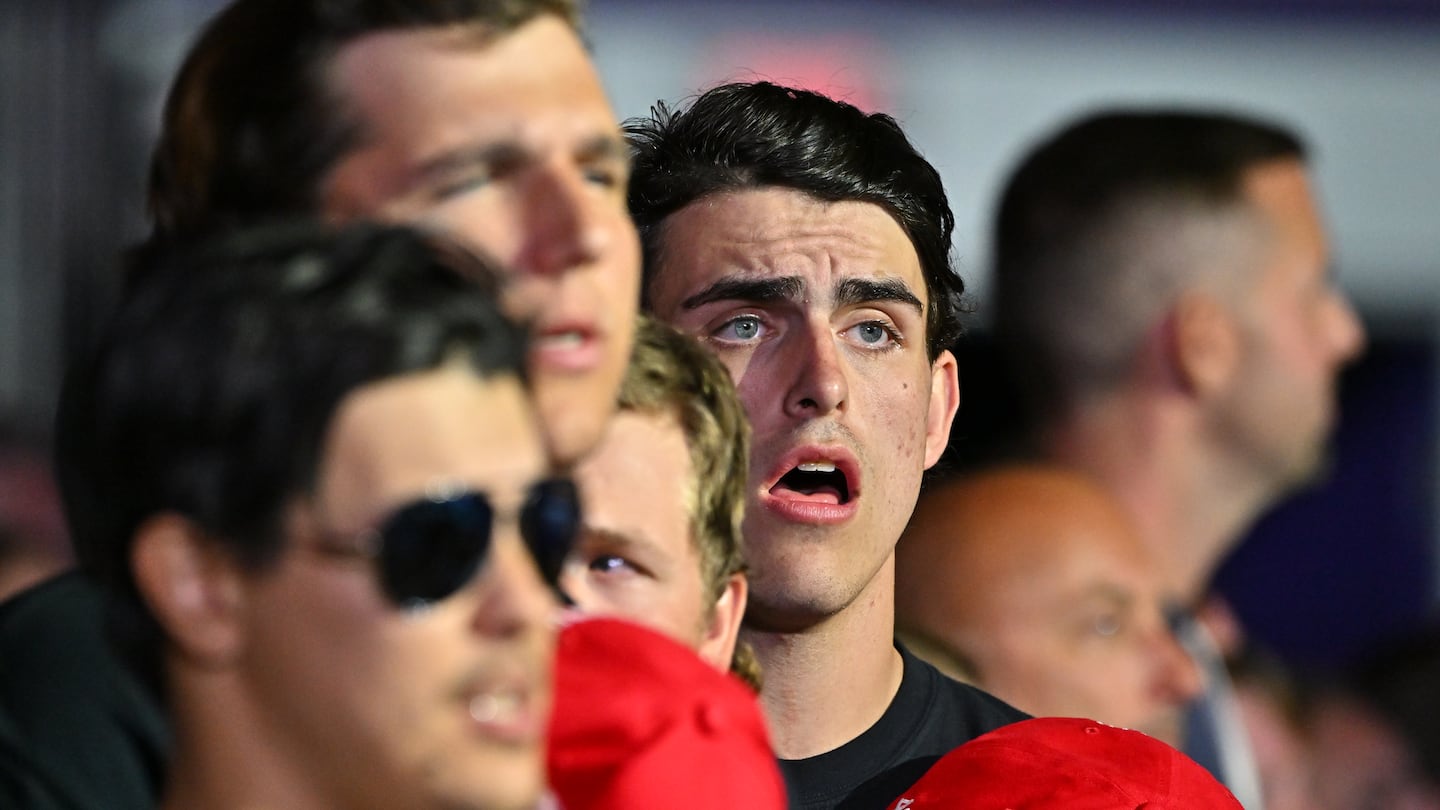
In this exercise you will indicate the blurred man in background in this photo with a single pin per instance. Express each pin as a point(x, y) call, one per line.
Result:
point(1164, 294)
point(1032, 583)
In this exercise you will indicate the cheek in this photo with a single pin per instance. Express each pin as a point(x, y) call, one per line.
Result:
point(482, 222)
point(900, 417)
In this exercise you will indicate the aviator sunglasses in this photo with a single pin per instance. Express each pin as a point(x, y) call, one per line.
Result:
point(427, 550)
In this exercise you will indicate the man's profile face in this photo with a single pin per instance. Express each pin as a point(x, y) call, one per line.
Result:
point(817, 310)
point(444, 706)
point(637, 555)
point(1298, 332)
point(510, 144)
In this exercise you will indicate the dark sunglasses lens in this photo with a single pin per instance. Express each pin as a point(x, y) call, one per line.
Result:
point(549, 523)
point(431, 549)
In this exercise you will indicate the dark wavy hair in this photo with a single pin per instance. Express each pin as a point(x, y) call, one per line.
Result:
point(758, 135)
point(211, 392)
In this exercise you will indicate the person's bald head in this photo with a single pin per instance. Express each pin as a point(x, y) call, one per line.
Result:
point(1031, 581)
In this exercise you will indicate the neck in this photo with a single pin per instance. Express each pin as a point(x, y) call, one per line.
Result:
point(1189, 504)
point(828, 683)
point(225, 759)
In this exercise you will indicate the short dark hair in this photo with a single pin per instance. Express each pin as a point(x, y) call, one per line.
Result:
point(1091, 239)
point(759, 135)
point(215, 382)
point(252, 124)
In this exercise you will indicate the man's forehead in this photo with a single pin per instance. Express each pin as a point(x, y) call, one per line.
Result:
point(479, 73)
point(394, 438)
point(754, 234)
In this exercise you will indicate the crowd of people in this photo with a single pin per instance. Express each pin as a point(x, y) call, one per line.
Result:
point(457, 445)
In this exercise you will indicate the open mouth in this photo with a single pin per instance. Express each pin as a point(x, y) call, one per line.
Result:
point(815, 481)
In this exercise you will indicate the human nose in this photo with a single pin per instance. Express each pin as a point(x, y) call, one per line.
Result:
point(1177, 675)
point(565, 223)
point(514, 599)
point(1347, 332)
point(818, 385)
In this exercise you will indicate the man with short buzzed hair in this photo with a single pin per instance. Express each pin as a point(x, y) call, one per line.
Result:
point(1165, 298)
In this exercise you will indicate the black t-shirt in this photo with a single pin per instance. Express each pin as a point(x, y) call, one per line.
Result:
point(77, 731)
point(930, 715)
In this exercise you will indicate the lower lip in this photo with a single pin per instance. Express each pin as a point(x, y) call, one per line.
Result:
point(816, 513)
point(568, 357)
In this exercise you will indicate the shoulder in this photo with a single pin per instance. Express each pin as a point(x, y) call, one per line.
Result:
point(953, 703)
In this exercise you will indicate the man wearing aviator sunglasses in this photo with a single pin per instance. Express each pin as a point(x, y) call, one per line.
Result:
point(306, 470)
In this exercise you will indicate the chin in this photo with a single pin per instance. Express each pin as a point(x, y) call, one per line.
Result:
point(511, 791)
point(571, 432)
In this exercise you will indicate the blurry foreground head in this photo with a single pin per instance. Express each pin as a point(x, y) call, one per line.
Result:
point(482, 118)
point(305, 468)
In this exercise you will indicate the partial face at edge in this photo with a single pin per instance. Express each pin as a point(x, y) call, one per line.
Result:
point(637, 556)
point(511, 145)
point(1298, 331)
point(817, 309)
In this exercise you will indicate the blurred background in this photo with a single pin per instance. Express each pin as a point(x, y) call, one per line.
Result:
point(1324, 578)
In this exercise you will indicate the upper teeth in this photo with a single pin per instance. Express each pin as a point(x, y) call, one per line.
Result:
point(564, 338)
point(816, 466)
point(489, 707)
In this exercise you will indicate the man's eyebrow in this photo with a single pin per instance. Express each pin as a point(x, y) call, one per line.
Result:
point(756, 290)
point(853, 291)
point(605, 146)
point(619, 541)
point(465, 158)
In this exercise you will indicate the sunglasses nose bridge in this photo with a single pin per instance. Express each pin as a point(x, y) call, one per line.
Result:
point(514, 595)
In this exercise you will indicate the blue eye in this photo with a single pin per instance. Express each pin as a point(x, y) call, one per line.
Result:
point(877, 334)
point(743, 328)
point(871, 332)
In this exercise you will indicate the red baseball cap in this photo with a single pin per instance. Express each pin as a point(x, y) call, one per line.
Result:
point(1060, 762)
point(640, 721)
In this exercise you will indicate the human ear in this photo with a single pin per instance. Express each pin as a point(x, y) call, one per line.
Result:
point(192, 586)
point(1204, 344)
point(944, 403)
point(717, 646)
